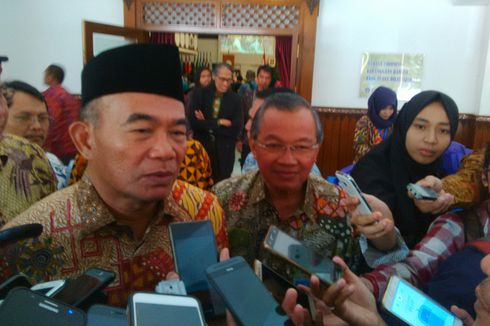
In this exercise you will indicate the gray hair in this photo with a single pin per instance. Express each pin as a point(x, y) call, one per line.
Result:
point(285, 102)
point(218, 66)
point(90, 111)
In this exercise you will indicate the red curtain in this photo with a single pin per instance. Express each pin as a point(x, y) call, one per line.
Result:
point(162, 38)
point(283, 58)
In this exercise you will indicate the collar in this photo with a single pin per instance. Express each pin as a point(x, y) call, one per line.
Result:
point(258, 192)
point(95, 213)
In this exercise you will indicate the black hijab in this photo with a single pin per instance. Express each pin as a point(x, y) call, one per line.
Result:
point(386, 170)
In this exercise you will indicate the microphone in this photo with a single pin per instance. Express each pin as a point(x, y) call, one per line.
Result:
point(21, 232)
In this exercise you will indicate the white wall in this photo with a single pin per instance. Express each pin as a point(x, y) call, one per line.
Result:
point(34, 34)
point(453, 39)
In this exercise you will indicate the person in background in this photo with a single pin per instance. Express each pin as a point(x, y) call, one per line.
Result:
point(203, 79)
point(217, 120)
point(377, 124)
point(237, 80)
point(412, 154)
point(133, 133)
point(63, 109)
point(2, 59)
point(25, 173)
point(29, 118)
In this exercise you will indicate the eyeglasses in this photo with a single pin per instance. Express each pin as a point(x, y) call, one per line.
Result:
point(224, 80)
point(278, 148)
point(31, 118)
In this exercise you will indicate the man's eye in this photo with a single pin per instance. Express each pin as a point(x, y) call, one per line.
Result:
point(142, 131)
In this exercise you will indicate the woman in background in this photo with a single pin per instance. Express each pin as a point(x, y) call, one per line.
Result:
point(376, 125)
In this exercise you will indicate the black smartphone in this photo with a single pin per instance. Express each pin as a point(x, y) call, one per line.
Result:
point(18, 280)
point(104, 315)
point(80, 291)
point(23, 307)
point(244, 294)
point(194, 250)
point(21, 232)
point(296, 253)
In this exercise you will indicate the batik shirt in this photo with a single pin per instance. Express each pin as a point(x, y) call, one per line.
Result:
point(367, 135)
point(25, 176)
point(80, 232)
point(321, 223)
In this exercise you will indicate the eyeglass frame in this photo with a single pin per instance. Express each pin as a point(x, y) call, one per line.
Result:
point(281, 148)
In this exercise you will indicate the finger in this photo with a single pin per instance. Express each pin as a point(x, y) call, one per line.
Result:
point(364, 220)
point(224, 254)
point(290, 300)
point(463, 315)
point(172, 276)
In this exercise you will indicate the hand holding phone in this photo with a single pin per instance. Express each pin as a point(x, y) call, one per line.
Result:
point(350, 186)
point(419, 192)
point(296, 253)
point(412, 306)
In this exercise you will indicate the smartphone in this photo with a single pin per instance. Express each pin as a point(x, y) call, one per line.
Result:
point(420, 192)
point(194, 250)
point(82, 290)
point(244, 294)
point(49, 288)
point(296, 253)
point(150, 309)
point(21, 232)
point(24, 307)
point(103, 315)
point(415, 308)
point(18, 280)
point(350, 186)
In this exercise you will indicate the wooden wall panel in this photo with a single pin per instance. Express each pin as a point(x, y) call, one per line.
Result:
point(337, 151)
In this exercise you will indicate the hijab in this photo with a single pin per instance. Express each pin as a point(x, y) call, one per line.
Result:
point(386, 170)
point(379, 99)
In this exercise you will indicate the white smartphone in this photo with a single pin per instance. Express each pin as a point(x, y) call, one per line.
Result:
point(415, 308)
point(150, 309)
point(350, 186)
point(48, 288)
point(420, 192)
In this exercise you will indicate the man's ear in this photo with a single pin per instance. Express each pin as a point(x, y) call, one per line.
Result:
point(82, 135)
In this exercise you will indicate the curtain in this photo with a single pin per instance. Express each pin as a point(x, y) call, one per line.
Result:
point(162, 38)
point(283, 58)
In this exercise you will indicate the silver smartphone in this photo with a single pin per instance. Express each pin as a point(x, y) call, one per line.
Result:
point(296, 253)
point(350, 186)
point(420, 192)
point(415, 308)
point(49, 288)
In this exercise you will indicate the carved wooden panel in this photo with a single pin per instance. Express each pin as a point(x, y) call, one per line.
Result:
point(190, 14)
point(241, 15)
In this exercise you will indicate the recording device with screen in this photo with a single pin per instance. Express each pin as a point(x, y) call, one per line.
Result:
point(194, 250)
point(246, 297)
point(81, 291)
point(49, 288)
point(103, 315)
point(150, 309)
point(23, 307)
point(20, 232)
point(420, 192)
point(296, 253)
point(18, 280)
point(414, 307)
point(350, 186)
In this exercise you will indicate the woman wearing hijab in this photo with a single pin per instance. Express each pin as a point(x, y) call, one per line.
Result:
point(424, 129)
point(373, 128)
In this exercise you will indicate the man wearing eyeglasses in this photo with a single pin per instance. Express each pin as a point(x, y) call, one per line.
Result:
point(29, 118)
point(285, 136)
point(217, 120)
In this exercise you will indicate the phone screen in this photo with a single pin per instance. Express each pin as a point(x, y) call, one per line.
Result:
point(102, 315)
point(77, 289)
point(245, 295)
point(417, 309)
point(295, 251)
point(149, 314)
point(195, 250)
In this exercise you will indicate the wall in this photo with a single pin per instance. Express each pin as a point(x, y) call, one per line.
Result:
point(453, 39)
point(34, 34)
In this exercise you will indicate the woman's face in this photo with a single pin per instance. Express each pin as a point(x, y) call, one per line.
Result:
point(386, 112)
point(205, 78)
point(429, 134)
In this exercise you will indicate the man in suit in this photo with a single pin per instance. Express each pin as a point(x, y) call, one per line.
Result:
point(217, 120)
